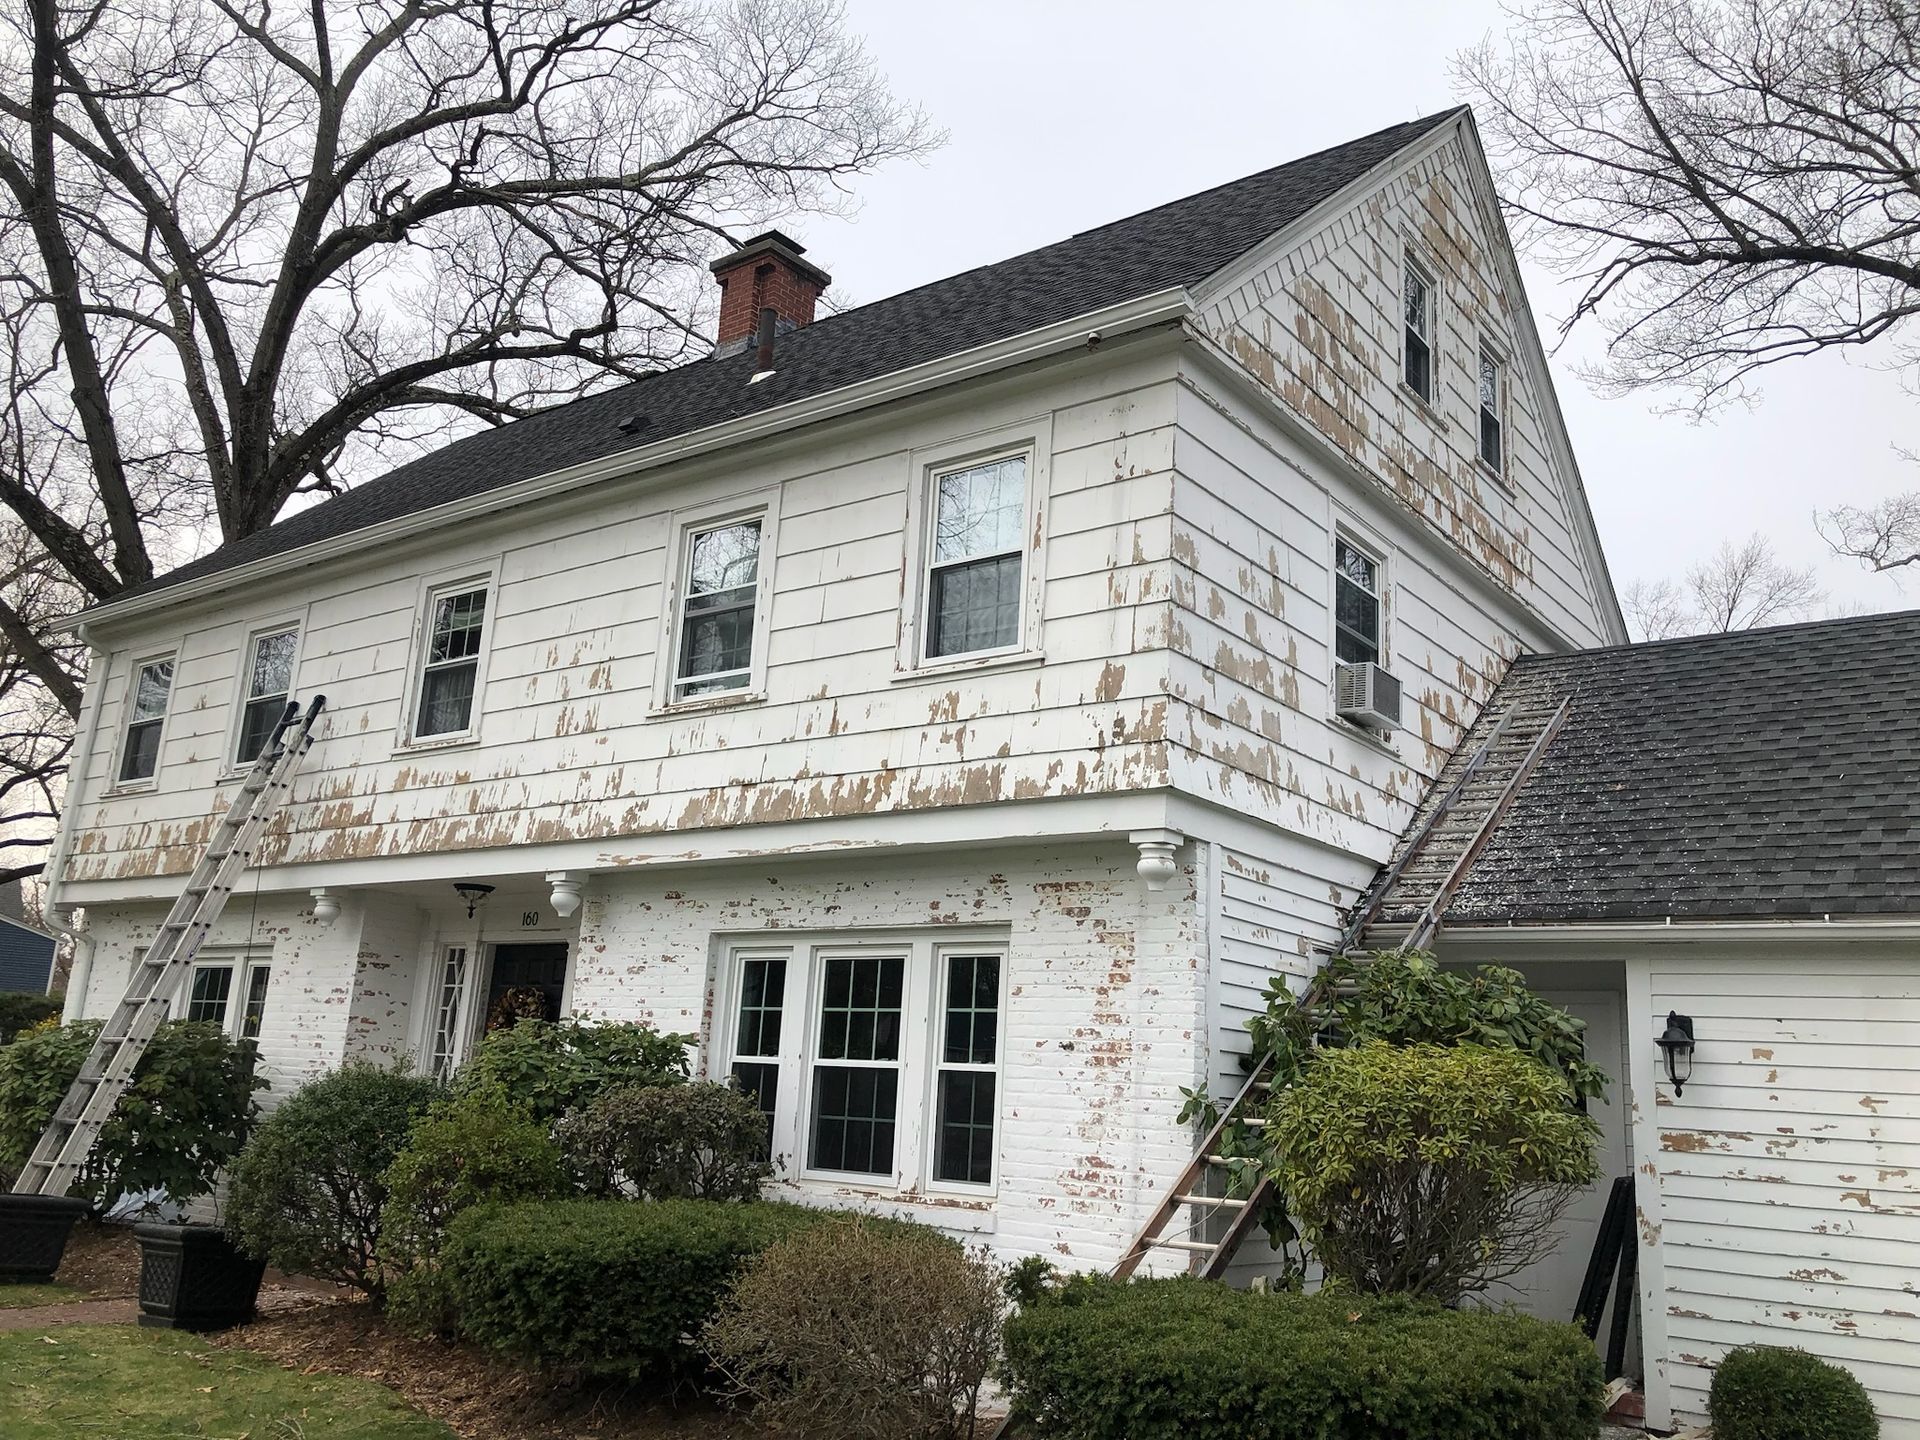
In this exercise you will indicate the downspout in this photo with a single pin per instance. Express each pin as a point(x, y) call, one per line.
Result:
point(59, 918)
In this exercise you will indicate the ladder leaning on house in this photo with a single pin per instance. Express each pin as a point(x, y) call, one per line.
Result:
point(108, 1069)
point(1445, 842)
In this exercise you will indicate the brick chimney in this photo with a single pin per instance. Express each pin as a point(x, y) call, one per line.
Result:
point(766, 272)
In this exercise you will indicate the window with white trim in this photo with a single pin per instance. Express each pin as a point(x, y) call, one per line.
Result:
point(211, 993)
point(146, 714)
point(450, 660)
point(449, 1004)
point(208, 995)
point(873, 1058)
point(253, 1014)
point(269, 684)
point(719, 609)
point(976, 557)
point(1417, 307)
point(1493, 400)
point(1356, 603)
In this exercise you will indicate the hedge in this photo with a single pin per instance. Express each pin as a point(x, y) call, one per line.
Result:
point(1763, 1392)
point(1195, 1360)
point(23, 1009)
point(614, 1287)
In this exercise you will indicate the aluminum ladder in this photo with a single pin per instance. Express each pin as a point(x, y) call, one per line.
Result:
point(1445, 842)
point(108, 1069)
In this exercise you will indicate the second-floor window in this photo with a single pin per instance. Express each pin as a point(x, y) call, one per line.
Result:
point(1493, 395)
point(1356, 604)
point(975, 577)
point(456, 623)
point(1416, 298)
point(146, 713)
point(720, 593)
point(269, 684)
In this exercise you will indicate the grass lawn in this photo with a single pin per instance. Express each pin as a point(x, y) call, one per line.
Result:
point(18, 1297)
point(122, 1382)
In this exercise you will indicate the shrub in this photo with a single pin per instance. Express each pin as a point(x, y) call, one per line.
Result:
point(22, 1010)
point(1428, 1170)
point(604, 1286)
point(307, 1192)
point(1195, 1360)
point(700, 1141)
point(184, 1117)
point(865, 1333)
point(552, 1067)
point(467, 1149)
point(1764, 1393)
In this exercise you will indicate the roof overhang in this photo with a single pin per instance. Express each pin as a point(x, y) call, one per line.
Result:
point(1539, 934)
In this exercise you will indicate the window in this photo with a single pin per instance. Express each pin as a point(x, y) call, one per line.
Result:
point(450, 666)
point(1416, 297)
point(448, 1002)
point(976, 558)
point(1493, 388)
point(719, 599)
point(1356, 603)
point(255, 1010)
point(876, 1058)
point(207, 999)
point(146, 711)
point(269, 684)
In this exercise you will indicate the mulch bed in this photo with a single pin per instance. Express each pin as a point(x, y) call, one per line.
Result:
point(103, 1260)
point(478, 1395)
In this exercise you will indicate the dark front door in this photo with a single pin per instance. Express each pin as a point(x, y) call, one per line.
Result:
point(528, 983)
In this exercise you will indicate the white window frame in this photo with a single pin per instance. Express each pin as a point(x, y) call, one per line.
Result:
point(922, 1036)
point(456, 932)
point(297, 623)
point(1031, 440)
point(432, 589)
point(141, 662)
point(458, 1041)
point(1503, 379)
point(241, 965)
point(1414, 260)
point(683, 525)
point(1374, 550)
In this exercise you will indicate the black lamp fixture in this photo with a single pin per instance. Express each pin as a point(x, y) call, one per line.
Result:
point(473, 892)
point(1676, 1043)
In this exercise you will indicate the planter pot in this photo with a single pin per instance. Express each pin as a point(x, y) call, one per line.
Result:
point(33, 1235)
point(192, 1278)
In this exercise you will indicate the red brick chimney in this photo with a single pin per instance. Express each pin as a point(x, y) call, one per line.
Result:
point(765, 273)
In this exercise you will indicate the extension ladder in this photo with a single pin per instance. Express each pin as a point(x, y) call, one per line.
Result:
point(108, 1069)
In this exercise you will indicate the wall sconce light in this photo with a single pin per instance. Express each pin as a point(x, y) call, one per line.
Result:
point(326, 906)
point(473, 892)
point(565, 897)
point(1156, 864)
point(1676, 1043)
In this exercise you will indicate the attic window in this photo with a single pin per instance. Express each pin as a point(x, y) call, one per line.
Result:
point(1416, 294)
point(1493, 397)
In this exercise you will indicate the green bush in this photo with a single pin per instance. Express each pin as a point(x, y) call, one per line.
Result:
point(614, 1287)
point(1426, 1169)
point(308, 1190)
point(184, 1117)
point(1195, 1360)
point(700, 1141)
point(862, 1332)
point(552, 1067)
point(22, 1010)
point(1761, 1392)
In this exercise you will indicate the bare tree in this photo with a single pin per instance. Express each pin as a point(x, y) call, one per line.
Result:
point(1739, 587)
point(1657, 610)
point(249, 252)
point(1882, 536)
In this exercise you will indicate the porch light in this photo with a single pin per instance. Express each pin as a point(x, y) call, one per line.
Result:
point(565, 895)
point(473, 893)
point(1676, 1043)
point(326, 906)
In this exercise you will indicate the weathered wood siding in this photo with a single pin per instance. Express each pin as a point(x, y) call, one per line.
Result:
point(1787, 1175)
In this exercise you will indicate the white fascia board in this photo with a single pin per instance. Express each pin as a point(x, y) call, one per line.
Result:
point(1142, 312)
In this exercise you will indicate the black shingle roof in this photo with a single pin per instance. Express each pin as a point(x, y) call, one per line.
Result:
point(1763, 775)
point(1176, 244)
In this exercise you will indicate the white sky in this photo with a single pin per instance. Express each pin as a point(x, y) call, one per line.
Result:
point(1064, 114)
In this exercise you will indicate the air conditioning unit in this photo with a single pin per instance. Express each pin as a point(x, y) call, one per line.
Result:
point(1366, 695)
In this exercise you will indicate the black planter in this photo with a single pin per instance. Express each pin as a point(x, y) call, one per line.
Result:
point(192, 1278)
point(33, 1235)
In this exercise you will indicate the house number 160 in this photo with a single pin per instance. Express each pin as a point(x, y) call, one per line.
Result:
point(529, 919)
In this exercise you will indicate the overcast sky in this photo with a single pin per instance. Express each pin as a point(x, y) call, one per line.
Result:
point(1064, 114)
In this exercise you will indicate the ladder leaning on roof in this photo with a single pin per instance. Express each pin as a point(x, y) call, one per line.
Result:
point(108, 1069)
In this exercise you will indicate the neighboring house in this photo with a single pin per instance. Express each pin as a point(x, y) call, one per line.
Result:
point(26, 957)
point(1727, 829)
point(952, 718)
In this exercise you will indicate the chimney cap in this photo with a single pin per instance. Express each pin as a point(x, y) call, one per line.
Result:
point(773, 243)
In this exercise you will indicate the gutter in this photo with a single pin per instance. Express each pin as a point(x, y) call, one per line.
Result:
point(1079, 331)
point(59, 917)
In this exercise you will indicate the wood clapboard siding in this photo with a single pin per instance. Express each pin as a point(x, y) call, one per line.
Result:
point(1789, 1170)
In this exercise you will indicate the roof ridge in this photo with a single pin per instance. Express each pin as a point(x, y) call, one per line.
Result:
point(1714, 637)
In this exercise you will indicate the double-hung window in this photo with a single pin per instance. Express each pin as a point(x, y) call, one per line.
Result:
point(1416, 300)
point(719, 603)
point(1356, 603)
point(450, 665)
point(146, 713)
point(976, 558)
point(762, 981)
point(856, 1063)
point(269, 684)
point(1493, 396)
point(965, 1099)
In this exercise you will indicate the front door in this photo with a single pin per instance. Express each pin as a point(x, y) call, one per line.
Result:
point(527, 982)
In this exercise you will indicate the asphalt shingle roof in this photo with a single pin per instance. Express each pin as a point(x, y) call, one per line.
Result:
point(1175, 244)
point(1763, 775)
